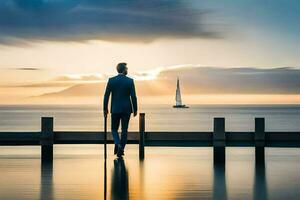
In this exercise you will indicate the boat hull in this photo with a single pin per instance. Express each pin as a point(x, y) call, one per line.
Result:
point(180, 106)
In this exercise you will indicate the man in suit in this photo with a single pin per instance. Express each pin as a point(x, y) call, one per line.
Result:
point(123, 103)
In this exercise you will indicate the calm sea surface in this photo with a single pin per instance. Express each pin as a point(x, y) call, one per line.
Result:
point(78, 171)
point(158, 117)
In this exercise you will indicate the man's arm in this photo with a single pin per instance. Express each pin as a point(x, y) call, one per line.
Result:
point(133, 99)
point(106, 98)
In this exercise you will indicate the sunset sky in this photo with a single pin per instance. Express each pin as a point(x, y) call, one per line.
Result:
point(223, 51)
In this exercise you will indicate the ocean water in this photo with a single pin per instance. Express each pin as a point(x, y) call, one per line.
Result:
point(78, 171)
point(158, 117)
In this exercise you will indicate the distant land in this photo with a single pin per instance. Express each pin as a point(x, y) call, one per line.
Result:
point(199, 85)
point(206, 80)
point(282, 82)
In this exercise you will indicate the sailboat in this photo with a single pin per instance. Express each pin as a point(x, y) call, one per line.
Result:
point(178, 97)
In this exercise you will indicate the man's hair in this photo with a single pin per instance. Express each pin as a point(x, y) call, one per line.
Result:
point(121, 67)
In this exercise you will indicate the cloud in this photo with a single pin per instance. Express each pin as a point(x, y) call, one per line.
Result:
point(81, 78)
point(197, 80)
point(120, 20)
point(238, 80)
point(24, 69)
point(46, 84)
point(27, 69)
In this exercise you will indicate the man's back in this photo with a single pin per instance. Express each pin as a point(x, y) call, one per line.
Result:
point(123, 103)
point(123, 99)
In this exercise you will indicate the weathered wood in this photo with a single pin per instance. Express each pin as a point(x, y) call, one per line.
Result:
point(142, 136)
point(47, 139)
point(259, 140)
point(219, 140)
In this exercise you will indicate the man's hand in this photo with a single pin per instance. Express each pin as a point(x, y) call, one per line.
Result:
point(135, 113)
point(105, 112)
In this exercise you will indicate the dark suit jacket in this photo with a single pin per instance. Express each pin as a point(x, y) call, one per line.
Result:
point(123, 96)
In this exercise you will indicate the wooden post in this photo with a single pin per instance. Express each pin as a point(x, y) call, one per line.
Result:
point(142, 136)
point(219, 140)
point(105, 137)
point(46, 139)
point(259, 140)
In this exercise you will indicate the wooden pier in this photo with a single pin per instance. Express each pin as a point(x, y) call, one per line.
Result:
point(219, 138)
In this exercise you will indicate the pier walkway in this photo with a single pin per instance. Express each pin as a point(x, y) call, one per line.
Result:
point(218, 139)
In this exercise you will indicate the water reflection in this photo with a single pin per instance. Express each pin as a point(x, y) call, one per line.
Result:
point(119, 181)
point(141, 179)
point(46, 191)
point(260, 188)
point(105, 179)
point(219, 182)
point(166, 173)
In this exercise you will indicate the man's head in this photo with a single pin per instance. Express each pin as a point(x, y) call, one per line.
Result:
point(122, 68)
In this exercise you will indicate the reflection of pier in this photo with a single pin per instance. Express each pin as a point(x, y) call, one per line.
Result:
point(260, 186)
point(260, 189)
point(46, 191)
point(219, 139)
point(219, 182)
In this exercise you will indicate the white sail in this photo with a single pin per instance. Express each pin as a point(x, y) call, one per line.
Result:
point(178, 95)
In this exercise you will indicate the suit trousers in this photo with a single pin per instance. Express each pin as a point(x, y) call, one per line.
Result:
point(116, 118)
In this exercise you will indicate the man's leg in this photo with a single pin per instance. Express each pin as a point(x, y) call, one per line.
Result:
point(115, 149)
point(115, 122)
point(125, 121)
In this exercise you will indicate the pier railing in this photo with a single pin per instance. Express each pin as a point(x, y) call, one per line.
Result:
point(218, 138)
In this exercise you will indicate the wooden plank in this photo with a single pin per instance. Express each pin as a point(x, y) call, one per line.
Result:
point(283, 136)
point(19, 138)
point(90, 137)
point(177, 143)
point(152, 138)
point(202, 136)
point(240, 139)
point(239, 136)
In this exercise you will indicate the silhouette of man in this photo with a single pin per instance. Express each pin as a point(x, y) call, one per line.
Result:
point(123, 103)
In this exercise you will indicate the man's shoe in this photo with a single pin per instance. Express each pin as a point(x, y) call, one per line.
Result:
point(119, 154)
point(120, 151)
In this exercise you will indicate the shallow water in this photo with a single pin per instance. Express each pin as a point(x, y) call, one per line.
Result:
point(77, 173)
